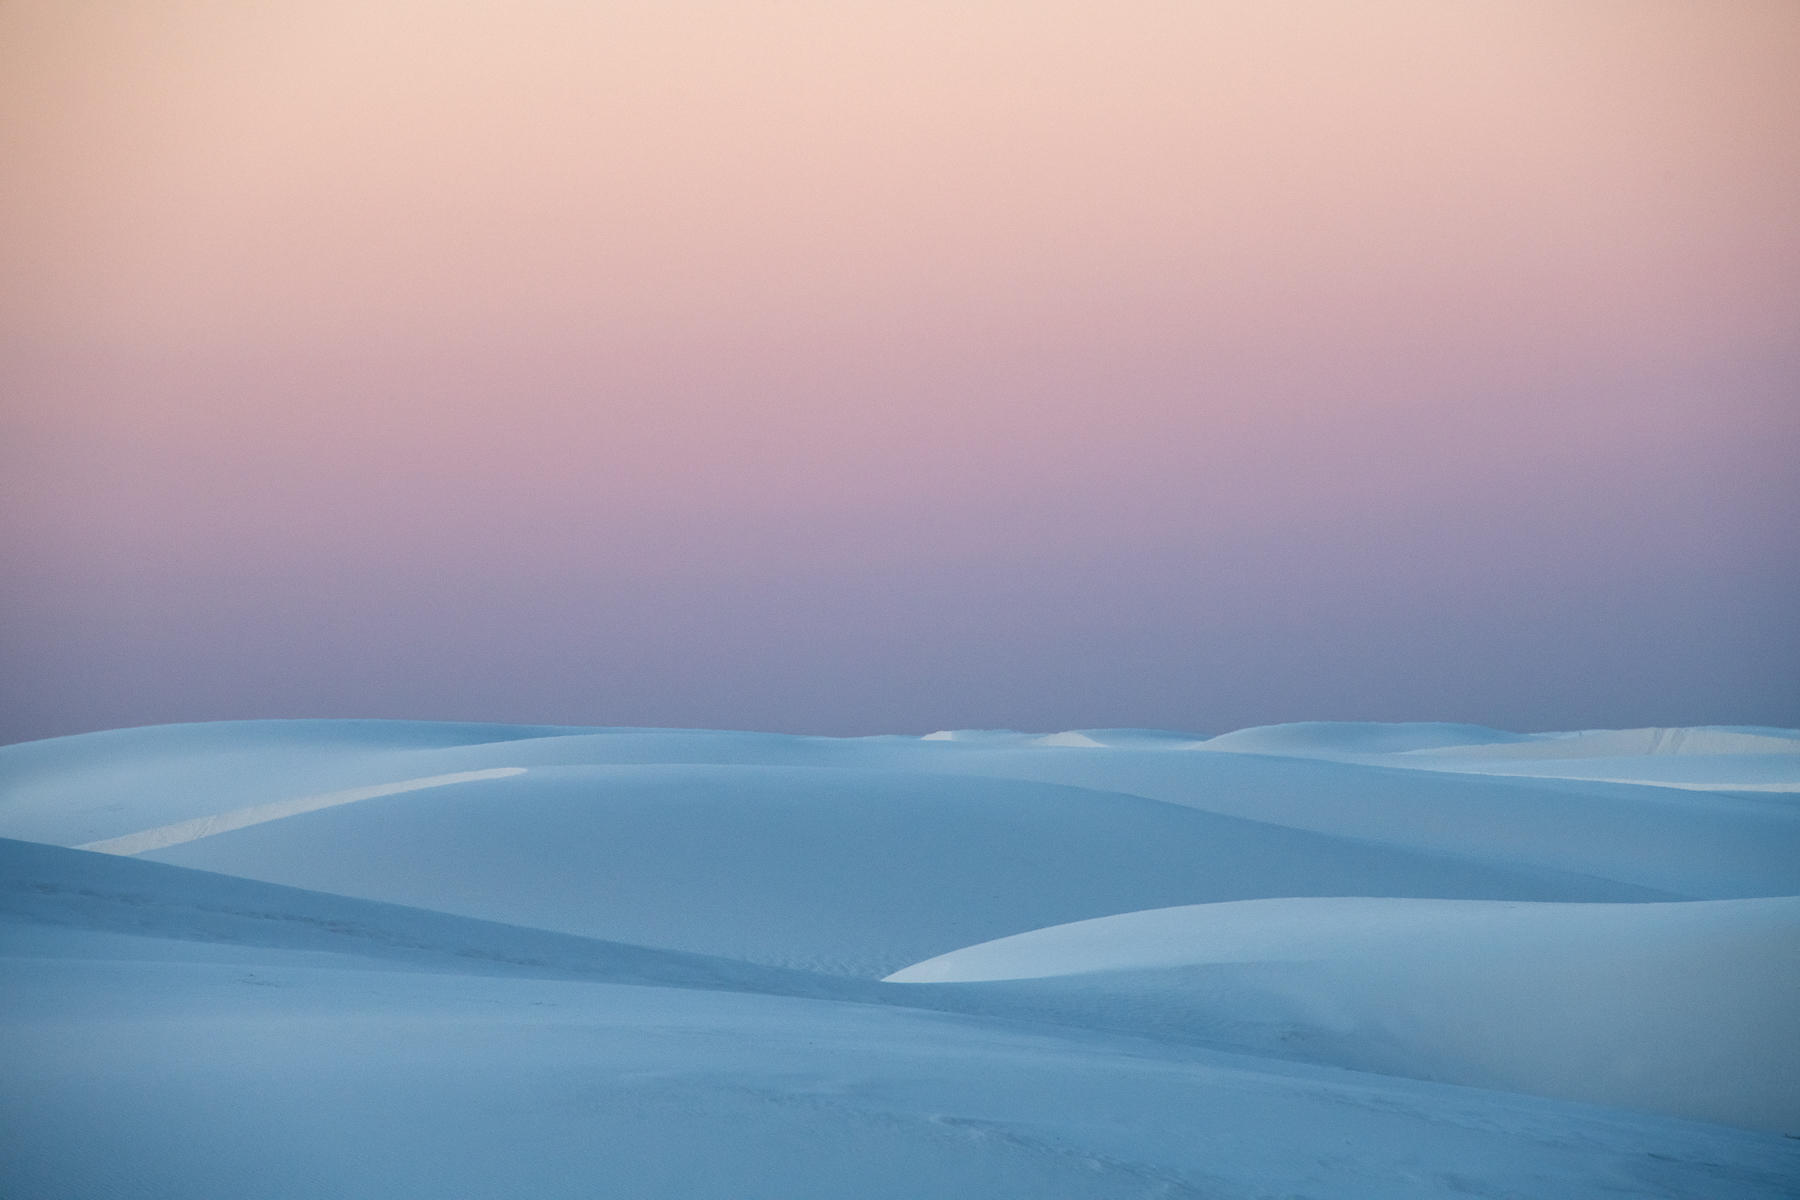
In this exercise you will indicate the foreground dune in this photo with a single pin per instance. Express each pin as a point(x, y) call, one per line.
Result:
point(1686, 1008)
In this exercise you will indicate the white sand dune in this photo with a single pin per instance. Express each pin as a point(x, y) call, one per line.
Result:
point(1683, 1008)
point(1706, 758)
point(1070, 738)
point(96, 786)
point(241, 1076)
point(56, 902)
point(402, 959)
point(164, 836)
point(1671, 843)
point(854, 872)
point(1331, 738)
point(1627, 743)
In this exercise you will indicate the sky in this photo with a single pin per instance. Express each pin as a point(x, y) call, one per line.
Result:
point(849, 368)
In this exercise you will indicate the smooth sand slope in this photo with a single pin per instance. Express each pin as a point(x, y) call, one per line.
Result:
point(1688, 1008)
point(850, 871)
point(407, 959)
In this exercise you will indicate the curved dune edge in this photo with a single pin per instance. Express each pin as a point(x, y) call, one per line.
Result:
point(1646, 742)
point(1405, 743)
point(1682, 1008)
point(1684, 785)
point(164, 836)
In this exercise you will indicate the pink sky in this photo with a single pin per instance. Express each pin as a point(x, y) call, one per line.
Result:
point(853, 367)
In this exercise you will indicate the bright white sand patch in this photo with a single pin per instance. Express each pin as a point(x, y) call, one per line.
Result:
point(164, 836)
point(982, 736)
point(1065, 739)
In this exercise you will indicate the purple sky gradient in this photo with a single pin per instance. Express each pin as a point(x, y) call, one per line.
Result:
point(1041, 365)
